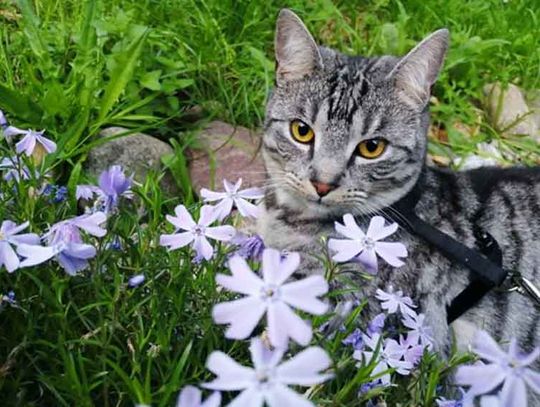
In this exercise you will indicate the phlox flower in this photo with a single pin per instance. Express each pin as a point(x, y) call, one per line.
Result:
point(113, 183)
point(355, 339)
point(389, 356)
point(136, 280)
point(30, 140)
point(510, 370)
point(15, 169)
point(249, 247)
point(270, 295)
point(10, 236)
point(418, 331)
point(191, 397)
point(196, 233)
point(64, 242)
point(376, 325)
point(412, 350)
point(233, 196)
point(268, 381)
point(392, 301)
point(466, 400)
point(365, 247)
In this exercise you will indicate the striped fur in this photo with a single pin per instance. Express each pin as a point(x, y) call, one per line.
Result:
point(348, 99)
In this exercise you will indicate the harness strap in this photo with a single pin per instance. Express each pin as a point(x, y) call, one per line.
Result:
point(486, 268)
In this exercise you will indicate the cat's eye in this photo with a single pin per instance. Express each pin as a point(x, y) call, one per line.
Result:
point(372, 148)
point(301, 132)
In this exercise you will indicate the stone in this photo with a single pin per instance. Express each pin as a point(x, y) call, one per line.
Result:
point(509, 112)
point(137, 153)
point(226, 152)
point(533, 100)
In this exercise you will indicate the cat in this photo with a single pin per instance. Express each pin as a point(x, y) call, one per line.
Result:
point(348, 134)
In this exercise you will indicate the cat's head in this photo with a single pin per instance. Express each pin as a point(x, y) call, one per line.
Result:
point(346, 134)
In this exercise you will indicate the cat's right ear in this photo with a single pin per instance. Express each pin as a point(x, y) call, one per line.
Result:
point(297, 54)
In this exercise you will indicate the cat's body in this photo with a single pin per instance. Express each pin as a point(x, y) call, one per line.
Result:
point(318, 175)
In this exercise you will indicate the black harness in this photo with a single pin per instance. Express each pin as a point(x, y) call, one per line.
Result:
point(485, 264)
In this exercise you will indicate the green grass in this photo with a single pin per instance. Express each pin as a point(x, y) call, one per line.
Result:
point(74, 67)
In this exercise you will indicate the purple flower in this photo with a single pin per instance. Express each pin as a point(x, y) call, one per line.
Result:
point(191, 397)
point(393, 301)
point(364, 247)
point(196, 233)
point(389, 356)
point(510, 370)
point(355, 339)
point(412, 351)
point(3, 121)
point(65, 243)
point(9, 235)
point(366, 387)
point(30, 140)
point(376, 325)
point(271, 296)
point(250, 247)
point(136, 281)
point(233, 196)
point(113, 184)
point(419, 332)
point(16, 170)
point(268, 381)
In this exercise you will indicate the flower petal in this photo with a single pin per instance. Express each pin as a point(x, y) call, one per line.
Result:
point(533, 380)
point(35, 254)
point(190, 396)
point(276, 269)
point(8, 257)
point(26, 145)
point(251, 397)
point(247, 209)
point(391, 251)
point(183, 219)
point(203, 247)
point(283, 324)
point(514, 392)
point(345, 249)
point(262, 356)
point(10, 228)
point(231, 374)
point(48, 145)
point(176, 240)
point(302, 294)
point(368, 259)
point(26, 238)
point(80, 250)
point(486, 347)
point(223, 233)
point(212, 196)
point(303, 369)
point(72, 265)
point(243, 315)
point(378, 231)
point(208, 215)
point(224, 208)
point(90, 223)
point(243, 280)
point(482, 379)
point(251, 193)
point(350, 228)
point(282, 396)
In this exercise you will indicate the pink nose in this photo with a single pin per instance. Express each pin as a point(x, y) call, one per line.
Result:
point(322, 188)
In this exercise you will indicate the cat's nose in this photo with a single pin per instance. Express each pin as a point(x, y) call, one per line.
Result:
point(322, 188)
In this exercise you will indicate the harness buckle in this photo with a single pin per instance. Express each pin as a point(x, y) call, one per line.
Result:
point(525, 287)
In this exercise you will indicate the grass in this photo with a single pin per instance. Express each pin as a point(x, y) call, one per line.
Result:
point(74, 67)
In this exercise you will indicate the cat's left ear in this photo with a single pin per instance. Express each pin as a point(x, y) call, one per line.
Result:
point(417, 71)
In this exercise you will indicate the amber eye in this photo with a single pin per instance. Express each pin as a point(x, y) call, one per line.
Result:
point(372, 148)
point(301, 132)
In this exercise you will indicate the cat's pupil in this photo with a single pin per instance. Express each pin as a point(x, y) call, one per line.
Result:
point(372, 145)
point(303, 129)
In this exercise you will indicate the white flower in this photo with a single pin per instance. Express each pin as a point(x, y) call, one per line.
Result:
point(268, 381)
point(271, 296)
point(191, 397)
point(196, 233)
point(233, 196)
point(393, 301)
point(364, 247)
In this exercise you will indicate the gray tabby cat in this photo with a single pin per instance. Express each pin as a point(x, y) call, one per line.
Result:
point(348, 135)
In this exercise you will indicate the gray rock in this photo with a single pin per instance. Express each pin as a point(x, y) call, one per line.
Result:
point(226, 152)
point(533, 100)
point(509, 112)
point(137, 153)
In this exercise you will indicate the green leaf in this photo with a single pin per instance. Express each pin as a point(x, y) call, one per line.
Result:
point(20, 105)
point(121, 75)
point(150, 80)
